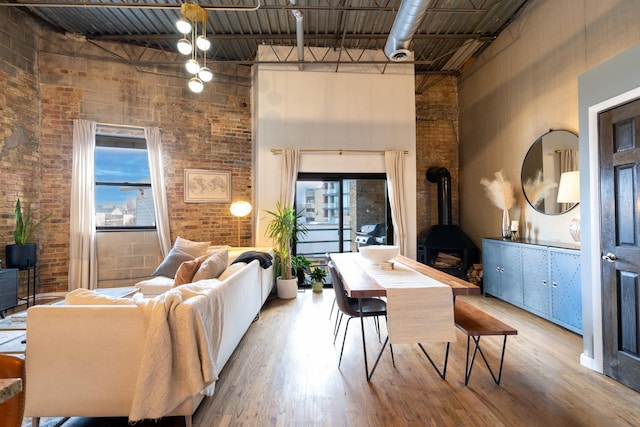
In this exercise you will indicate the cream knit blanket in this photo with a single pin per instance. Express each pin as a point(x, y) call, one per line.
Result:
point(183, 337)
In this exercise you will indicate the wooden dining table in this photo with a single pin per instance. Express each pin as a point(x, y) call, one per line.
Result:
point(359, 284)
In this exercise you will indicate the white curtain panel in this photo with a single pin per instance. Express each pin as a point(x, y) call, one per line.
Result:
point(394, 165)
point(82, 246)
point(154, 148)
point(289, 176)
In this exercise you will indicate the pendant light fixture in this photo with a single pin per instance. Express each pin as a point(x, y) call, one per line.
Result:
point(193, 24)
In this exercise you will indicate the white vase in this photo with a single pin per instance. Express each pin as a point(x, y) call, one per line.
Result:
point(287, 288)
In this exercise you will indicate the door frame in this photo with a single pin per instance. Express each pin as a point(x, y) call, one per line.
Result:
point(593, 256)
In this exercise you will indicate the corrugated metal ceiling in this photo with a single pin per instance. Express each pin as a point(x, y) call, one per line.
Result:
point(236, 31)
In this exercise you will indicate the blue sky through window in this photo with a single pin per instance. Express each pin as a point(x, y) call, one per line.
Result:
point(113, 164)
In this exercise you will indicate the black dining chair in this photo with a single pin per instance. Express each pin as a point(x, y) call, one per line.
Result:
point(371, 307)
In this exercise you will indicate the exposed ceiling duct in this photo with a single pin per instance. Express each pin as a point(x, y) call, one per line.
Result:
point(408, 19)
point(299, 34)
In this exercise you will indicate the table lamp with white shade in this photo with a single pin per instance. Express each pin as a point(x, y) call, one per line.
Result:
point(240, 209)
point(569, 192)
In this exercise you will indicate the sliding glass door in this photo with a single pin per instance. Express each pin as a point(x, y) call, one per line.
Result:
point(342, 212)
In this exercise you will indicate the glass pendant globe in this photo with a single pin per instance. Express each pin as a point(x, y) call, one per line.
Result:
point(203, 43)
point(192, 66)
point(184, 47)
point(205, 74)
point(196, 85)
point(183, 25)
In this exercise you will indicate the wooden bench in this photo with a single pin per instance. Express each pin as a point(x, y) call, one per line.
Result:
point(475, 323)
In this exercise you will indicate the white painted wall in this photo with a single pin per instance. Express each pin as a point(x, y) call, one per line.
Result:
point(525, 83)
point(345, 107)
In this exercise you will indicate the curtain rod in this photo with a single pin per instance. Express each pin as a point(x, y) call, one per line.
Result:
point(113, 125)
point(340, 151)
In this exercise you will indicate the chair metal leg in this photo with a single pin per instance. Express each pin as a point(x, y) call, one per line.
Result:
point(337, 326)
point(344, 339)
point(332, 307)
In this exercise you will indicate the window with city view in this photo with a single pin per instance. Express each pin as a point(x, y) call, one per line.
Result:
point(342, 212)
point(123, 197)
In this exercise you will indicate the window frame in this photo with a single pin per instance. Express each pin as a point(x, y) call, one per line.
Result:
point(128, 142)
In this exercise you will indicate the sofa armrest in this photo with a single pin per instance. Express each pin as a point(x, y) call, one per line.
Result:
point(82, 360)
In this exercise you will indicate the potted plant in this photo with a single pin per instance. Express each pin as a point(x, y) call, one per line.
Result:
point(317, 276)
point(301, 266)
point(283, 228)
point(22, 254)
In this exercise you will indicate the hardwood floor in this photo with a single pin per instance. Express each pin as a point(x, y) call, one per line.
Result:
point(284, 373)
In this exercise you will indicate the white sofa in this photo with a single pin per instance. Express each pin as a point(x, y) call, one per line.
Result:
point(88, 360)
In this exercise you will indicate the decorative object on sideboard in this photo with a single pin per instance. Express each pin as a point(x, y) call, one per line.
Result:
point(515, 234)
point(22, 254)
point(569, 192)
point(240, 209)
point(500, 192)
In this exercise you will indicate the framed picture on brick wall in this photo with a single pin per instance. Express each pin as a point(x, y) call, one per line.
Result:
point(205, 186)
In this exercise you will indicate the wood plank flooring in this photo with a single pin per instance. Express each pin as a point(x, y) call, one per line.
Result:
point(285, 373)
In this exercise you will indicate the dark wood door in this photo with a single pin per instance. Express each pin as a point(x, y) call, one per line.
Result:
point(619, 130)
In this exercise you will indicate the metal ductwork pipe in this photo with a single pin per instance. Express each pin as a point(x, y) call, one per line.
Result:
point(442, 177)
point(299, 34)
point(409, 17)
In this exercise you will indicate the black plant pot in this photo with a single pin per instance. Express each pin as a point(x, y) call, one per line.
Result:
point(21, 256)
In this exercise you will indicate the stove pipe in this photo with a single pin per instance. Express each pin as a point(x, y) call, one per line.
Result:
point(442, 177)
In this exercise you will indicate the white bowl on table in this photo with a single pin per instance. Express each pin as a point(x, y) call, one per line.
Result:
point(377, 254)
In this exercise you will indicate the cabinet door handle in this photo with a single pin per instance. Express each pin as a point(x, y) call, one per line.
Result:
point(554, 284)
point(501, 269)
point(544, 283)
point(498, 269)
point(610, 257)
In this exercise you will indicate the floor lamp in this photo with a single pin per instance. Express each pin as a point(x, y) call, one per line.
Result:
point(569, 192)
point(240, 209)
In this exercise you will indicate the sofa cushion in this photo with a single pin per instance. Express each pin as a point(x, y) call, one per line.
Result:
point(155, 286)
point(89, 297)
point(195, 249)
point(170, 264)
point(231, 269)
point(213, 266)
point(186, 271)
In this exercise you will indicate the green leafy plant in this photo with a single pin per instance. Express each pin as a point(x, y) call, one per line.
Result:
point(284, 229)
point(25, 227)
point(318, 275)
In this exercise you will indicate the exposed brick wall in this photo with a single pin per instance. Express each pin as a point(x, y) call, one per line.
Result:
point(19, 125)
point(76, 79)
point(73, 79)
point(436, 144)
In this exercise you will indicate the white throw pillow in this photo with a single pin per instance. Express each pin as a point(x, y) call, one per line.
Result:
point(195, 249)
point(213, 266)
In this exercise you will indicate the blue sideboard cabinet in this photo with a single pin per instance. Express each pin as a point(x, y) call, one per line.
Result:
point(540, 277)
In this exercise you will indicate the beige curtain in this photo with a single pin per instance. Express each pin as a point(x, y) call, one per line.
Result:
point(289, 176)
point(156, 169)
point(568, 162)
point(394, 165)
point(82, 250)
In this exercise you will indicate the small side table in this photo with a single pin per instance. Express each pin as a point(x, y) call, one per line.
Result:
point(31, 272)
point(8, 289)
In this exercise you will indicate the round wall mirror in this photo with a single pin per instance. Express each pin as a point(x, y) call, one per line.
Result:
point(549, 157)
